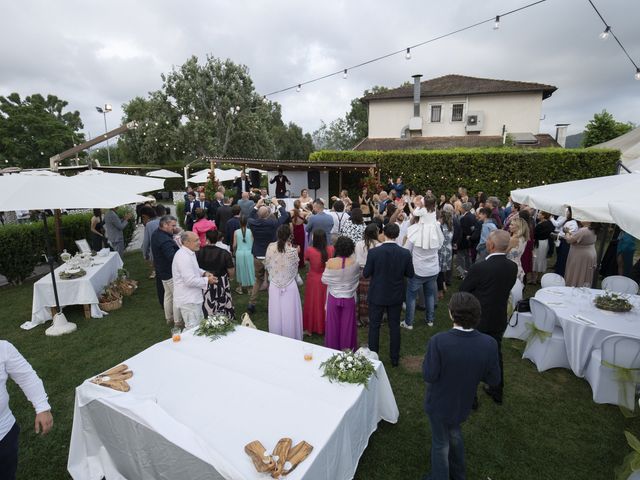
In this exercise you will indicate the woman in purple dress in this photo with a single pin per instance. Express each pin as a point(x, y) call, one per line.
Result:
point(341, 275)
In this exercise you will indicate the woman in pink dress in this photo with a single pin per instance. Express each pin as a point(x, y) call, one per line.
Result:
point(202, 226)
point(298, 219)
point(341, 276)
point(315, 292)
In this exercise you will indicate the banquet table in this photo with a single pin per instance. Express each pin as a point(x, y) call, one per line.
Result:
point(583, 334)
point(195, 404)
point(78, 291)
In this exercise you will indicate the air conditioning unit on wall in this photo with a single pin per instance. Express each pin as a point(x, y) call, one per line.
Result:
point(474, 122)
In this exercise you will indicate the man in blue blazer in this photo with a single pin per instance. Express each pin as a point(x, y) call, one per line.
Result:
point(387, 266)
point(455, 362)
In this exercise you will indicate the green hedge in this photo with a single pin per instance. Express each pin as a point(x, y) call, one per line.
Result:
point(180, 213)
point(22, 246)
point(495, 171)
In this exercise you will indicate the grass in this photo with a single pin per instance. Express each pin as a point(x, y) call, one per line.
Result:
point(548, 427)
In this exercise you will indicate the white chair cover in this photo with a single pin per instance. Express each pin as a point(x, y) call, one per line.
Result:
point(552, 280)
point(549, 351)
point(620, 284)
point(620, 351)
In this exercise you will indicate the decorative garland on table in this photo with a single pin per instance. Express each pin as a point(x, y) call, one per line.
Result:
point(215, 326)
point(348, 367)
point(613, 302)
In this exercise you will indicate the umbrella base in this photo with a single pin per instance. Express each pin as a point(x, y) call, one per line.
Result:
point(60, 326)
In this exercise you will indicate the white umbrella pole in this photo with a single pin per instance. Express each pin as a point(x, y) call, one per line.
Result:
point(50, 260)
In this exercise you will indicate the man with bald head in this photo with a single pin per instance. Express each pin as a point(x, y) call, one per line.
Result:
point(263, 226)
point(491, 282)
point(189, 281)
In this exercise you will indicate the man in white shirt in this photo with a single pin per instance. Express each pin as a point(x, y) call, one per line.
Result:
point(426, 267)
point(189, 281)
point(13, 365)
point(339, 216)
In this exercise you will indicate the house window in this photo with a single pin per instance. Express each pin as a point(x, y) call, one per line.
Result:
point(456, 112)
point(436, 113)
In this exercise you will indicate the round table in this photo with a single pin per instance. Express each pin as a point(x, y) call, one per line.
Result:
point(582, 336)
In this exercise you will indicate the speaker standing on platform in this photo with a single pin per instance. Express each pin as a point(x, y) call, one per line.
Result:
point(313, 179)
point(281, 182)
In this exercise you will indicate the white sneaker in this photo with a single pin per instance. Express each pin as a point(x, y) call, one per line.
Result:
point(429, 324)
point(404, 325)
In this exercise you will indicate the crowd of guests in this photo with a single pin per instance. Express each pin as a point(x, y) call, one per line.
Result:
point(369, 259)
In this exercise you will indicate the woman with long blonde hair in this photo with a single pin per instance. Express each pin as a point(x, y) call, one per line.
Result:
point(519, 229)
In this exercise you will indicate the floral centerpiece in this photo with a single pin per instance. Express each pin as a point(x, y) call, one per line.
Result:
point(348, 367)
point(72, 273)
point(215, 326)
point(613, 302)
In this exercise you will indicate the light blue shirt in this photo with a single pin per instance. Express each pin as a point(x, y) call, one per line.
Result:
point(487, 227)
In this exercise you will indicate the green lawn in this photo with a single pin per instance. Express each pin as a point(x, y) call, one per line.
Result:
point(548, 427)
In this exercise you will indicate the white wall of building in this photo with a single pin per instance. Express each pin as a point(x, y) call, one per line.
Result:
point(298, 180)
point(520, 112)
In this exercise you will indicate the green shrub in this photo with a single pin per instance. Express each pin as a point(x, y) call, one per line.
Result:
point(180, 213)
point(495, 171)
point(22, 246)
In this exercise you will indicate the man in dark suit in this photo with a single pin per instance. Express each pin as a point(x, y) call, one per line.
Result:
point(491, 282)
point(218, 201)
point(387, 266)
point(190, 211)
point(242, 184)
point(223, 214)
point(468, 224)
point(455, 362)
point(203, 203)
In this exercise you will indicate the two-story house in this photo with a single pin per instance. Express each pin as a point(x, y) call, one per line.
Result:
point(456, 111)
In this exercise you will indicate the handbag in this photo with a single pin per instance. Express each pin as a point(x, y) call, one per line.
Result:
point(521, 307)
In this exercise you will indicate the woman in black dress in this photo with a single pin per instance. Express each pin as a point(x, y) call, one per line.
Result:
point(217, 298)
point(97, 230)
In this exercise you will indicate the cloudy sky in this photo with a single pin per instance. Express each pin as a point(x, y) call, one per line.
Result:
point(91, 52)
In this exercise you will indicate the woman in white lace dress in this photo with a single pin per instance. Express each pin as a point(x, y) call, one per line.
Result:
point(519, 235)
point(285, 309)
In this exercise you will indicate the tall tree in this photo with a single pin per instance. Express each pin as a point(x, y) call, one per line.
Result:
point(603, 127)
point(208, 108)
point(36, 128)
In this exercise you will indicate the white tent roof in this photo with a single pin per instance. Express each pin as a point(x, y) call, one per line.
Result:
point(118, 181)
point(629, 146)
point(589, 199)
point(45, 191)
point(221, 175)
point(163, 173)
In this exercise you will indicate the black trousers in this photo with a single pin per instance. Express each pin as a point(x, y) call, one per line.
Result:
point(498, 338)
point(160, 291)
point(375, 320)
point(9, 453)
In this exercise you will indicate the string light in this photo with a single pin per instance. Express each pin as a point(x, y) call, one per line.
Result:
point(406, 50)
point(496, 24)
point(608, 31)
point(345, 75)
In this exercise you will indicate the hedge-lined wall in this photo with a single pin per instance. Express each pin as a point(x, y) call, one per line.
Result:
point(22, 246)
point(495, 171)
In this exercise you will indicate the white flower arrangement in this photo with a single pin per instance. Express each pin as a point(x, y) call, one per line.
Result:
point(215, 326)
point(348, 367)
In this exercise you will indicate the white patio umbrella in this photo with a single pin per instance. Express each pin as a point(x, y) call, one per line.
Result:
point(97, 179)
point(45, 191)
point(589, 198)
point(163, 173)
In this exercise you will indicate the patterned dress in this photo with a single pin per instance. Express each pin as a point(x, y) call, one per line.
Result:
point(445, 254)
point(217, 298)
point(352, 230)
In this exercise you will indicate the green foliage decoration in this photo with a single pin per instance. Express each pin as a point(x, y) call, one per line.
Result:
point(495, 171)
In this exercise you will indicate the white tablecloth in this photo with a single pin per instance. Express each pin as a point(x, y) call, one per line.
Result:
point(79, 291)
point(581, 338)
point(198, 403)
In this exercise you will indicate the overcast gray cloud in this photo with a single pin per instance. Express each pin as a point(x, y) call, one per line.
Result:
point(91, 53)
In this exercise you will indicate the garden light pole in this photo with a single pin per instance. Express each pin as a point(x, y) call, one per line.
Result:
point(104, 110)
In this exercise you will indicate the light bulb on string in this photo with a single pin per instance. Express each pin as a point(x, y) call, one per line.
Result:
point(298, 88)
point(408, 54)
point(496, 24)
point(345, 74)
point(605, 34)
point(637, 75)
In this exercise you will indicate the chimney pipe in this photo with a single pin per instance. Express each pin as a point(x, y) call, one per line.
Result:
point(416, 95)
point(561, 133)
